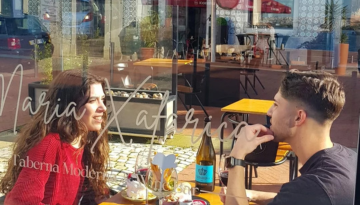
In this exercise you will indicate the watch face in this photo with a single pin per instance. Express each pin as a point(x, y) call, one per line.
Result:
point(229, 162)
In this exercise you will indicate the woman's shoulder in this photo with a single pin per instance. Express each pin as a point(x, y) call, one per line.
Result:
point(51, 139)
point(47, 147)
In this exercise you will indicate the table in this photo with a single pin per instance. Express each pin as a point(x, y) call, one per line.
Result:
point(266, 35)
point(255, 41)
point(214, 67)
point(224, 48)
point(160, 62)
point(187, 67)
point(213, 198)
point(163, 63)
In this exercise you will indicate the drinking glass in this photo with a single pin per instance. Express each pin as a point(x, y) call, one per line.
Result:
point(222, 171)
point(142, 164)
point(164, 188)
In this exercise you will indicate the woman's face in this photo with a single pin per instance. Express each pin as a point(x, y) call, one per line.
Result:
point(94, 108)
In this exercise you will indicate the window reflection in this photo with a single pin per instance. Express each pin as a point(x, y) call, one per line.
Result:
point(109, 38)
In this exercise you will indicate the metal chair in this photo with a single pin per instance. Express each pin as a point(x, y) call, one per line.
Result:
point(250, 72)
point(192, 89)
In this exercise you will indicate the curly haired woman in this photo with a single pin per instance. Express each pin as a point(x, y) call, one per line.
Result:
point(52, 161)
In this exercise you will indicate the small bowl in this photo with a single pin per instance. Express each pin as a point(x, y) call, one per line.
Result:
point(186, 202)
point(165, 202)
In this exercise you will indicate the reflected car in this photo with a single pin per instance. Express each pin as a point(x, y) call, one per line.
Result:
point(89, 19)
point(20, 36)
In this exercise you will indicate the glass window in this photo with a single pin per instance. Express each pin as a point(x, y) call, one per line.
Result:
point(2, 27)
point(279, 13)
point(83, 6)
point(24, 26)
point(203, 60)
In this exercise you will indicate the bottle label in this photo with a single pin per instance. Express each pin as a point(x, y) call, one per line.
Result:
point(204, 174)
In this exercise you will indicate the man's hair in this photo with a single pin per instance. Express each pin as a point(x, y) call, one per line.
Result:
point(318, 92)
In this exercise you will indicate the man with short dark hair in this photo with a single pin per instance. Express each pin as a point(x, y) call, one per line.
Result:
point(305, 107)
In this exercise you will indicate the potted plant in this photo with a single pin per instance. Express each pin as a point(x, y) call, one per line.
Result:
point(165, 39)
point(343, 53)
point(149, 28)
point(223, 28)
point(334, 19)
point(334, 10)
point(45, 66)
point(168, 16)
point(129, 39)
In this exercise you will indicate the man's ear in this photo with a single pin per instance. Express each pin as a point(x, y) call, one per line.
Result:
point(300, 117)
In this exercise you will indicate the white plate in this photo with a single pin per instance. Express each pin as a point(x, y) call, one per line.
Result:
point(124, 194)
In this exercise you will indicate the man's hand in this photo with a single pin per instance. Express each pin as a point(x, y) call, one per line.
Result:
point(223, 194)
point(249, 138)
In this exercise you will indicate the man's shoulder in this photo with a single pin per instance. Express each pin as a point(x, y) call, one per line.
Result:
point(327, 186)
point(345, 150)
point(307, 182)
point(304, 189)
point(339, 160)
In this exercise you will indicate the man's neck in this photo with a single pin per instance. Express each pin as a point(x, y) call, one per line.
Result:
point(310, 141)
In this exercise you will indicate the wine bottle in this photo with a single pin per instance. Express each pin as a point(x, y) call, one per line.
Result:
point(205, 163)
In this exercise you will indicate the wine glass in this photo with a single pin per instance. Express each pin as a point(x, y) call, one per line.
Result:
point(222, 171)
point(142, 164)
point(164, 187)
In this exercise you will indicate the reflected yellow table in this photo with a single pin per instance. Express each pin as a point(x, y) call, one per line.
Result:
point(249, 106)
point(154, 66)
point(161, 62)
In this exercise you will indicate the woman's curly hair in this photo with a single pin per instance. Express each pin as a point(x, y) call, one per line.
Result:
point(69, 90)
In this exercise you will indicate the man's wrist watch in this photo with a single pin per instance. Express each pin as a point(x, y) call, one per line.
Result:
point(231, 162)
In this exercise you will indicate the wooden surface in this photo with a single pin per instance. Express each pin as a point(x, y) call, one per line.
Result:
point(213, 198)
point(259, 34)
point(186, 66)
point(249, 106)
point(225, 48)
point(160, 62)
point(214, 67)
point(184, 89)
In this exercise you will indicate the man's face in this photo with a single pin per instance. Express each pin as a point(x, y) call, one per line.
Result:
point(283, 115)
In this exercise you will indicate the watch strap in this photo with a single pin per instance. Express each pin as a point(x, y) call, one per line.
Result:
point(239, 162)
point(231, 162)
